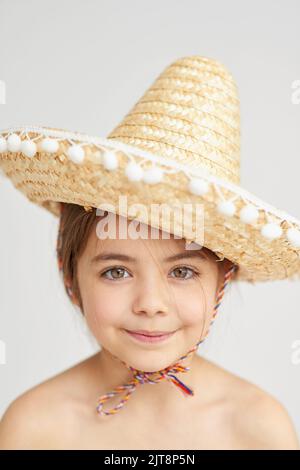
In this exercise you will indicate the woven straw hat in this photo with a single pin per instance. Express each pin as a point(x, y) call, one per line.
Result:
point(179, 144)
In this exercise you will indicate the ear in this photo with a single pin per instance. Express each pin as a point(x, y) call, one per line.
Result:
point(71, 294)
point(75, 301)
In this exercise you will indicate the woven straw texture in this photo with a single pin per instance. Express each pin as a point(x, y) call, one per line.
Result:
point(190, 116)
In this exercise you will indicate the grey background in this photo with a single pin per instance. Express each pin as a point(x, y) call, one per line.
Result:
point(81, 66)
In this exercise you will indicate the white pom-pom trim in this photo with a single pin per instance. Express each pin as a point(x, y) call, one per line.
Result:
point(3, 145)
point(271, 231)
point(14, 143)
point(109, 160)
point(134, 172)
point(76, 153)
point(226, 208)
point(198, 186)
point(293, 235)
point(49, 145)
point(28, 148)
point(249, 214)
point(153, 175)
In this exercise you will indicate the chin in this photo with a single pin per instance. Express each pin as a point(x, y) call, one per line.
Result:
point(154, 364)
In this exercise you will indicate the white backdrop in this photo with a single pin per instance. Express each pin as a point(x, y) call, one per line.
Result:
point(81, 66)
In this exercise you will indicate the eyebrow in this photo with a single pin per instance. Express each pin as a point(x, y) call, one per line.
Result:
point(121, 257)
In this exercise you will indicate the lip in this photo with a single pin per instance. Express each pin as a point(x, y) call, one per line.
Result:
point(150, 333)
point(150, 338)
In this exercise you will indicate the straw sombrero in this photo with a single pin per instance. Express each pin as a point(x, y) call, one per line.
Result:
point(180, 143)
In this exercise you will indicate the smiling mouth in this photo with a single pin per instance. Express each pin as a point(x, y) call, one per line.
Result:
point(149, 338)
point(150, 333)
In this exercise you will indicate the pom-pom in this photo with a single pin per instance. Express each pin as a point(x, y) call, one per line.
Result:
point(109, 160)
point(3, 145)
point(271, 231)
point(49, 145)
point(293, 235)
point(14, 143)
point(76, 153)
point(134, 172)
point(28, 148)
point(153, 175)
point(249, 214)
point(227, 208)
point(198, 186)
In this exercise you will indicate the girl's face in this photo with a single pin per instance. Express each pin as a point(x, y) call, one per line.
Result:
point(147, 284)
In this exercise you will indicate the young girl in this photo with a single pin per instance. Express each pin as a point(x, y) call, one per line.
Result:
point(150, 300)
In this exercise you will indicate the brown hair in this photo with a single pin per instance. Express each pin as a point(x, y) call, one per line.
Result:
point(76, 224)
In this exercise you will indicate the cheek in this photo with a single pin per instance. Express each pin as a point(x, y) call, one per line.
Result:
point(197, 306)
point(102, 310)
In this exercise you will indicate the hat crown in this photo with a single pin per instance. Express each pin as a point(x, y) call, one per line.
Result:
point(190, 114)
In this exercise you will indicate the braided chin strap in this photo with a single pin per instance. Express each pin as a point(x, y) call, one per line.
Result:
point(141, 377)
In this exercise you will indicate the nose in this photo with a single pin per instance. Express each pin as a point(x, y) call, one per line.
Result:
point(152, 296)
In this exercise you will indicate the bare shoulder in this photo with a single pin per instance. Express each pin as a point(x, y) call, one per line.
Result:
point(266, 423)
point(260, 421)
point(39, 418)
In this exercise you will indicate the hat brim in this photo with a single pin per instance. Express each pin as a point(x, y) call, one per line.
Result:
point(50, 178)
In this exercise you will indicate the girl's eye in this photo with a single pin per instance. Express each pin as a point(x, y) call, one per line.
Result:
point(183, 270)
point(119, 271)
